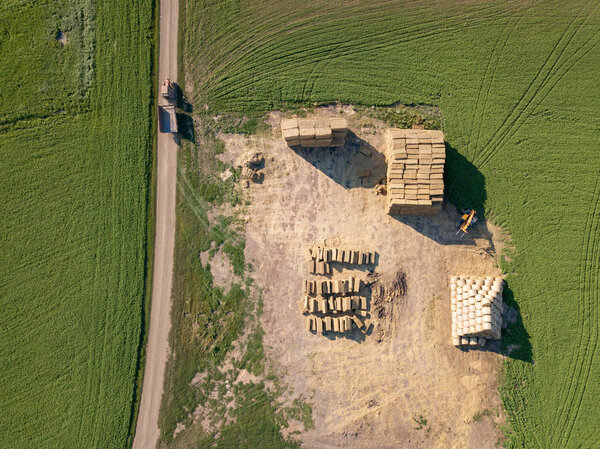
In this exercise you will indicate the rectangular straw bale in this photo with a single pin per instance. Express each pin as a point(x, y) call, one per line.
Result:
point(336, 324)
point(288, 123)
point(319, 325)
point(338, 124)
point(322, 132)
point(357, 322)
point(308, 323)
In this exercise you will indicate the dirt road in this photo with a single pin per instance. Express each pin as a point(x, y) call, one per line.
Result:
point(147, 432)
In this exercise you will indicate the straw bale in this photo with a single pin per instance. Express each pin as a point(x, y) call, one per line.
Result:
point(338, 124)
point(359, 324)
point(308, 324)
point(336, 324)
point(288, 123)
point(319, 325)
point(292, 133)
point(322, 133)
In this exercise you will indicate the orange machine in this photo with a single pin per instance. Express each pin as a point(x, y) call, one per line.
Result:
point(468, 218)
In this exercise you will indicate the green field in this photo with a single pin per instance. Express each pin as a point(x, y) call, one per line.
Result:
point(76, 123)
point(518, 88)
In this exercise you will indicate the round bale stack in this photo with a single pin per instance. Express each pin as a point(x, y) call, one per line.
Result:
point(476, 305)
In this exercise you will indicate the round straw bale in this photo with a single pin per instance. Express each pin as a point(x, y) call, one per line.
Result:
point(486, 311)
point(453, 279)
point(478, 313)
point(486, 326)
point(472, 293)
point(486, 318)
point(471, 315)
point(456, 341)
point(478, 297)
point(473, 341)
point(460, 282)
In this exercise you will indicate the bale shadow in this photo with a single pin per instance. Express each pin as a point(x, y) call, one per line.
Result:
point(464, 188)
point(356, 164)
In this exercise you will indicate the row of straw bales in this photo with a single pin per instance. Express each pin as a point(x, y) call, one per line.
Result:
point(334, 305)
point(333, 324)
point(351, 256)
point(314, 132)
point(415, 177)
point(333, 286)
point(476, 306)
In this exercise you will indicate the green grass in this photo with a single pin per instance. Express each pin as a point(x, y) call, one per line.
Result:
point(207, 319)
point(76, 153)
point(516, 84)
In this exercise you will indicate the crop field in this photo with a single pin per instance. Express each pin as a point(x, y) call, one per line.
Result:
point(75, 156)
point(516, 84)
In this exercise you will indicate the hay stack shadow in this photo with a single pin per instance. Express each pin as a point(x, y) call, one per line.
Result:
point(356, 164)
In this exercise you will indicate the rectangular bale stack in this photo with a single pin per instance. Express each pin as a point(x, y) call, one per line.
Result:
point(476, 306)
point(314, 132)
point(415, 177)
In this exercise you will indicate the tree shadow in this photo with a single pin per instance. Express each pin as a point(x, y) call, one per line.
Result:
point(185, 120)
point(356, 164)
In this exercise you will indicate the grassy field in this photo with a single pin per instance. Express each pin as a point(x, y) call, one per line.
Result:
point(517, 88)
point(75, 152)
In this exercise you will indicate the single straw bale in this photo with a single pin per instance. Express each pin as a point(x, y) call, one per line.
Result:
point(289, 123)
point(319, 288)
point(308, 324)
point(354, 303)
point(363, 303)
point(331, 303)
point(336, 324)
point(323, 305)
point(348, 323)
point(319, 326)
point(357, 322)
point(327, 324)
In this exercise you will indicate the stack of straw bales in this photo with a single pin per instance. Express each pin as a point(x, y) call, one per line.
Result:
point(476, 305)
point(315, 132)
point(415, 178)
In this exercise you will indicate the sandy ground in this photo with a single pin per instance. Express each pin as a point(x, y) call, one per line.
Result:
point(367, 390)
point(147, 431)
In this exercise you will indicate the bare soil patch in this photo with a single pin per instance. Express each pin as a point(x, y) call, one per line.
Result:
point(366, 390)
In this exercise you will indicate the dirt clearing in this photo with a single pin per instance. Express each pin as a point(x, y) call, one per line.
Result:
point(403, 384)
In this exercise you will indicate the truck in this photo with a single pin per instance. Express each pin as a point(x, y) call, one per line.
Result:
point(167, 118)
point(167, 115)
point(167, 90)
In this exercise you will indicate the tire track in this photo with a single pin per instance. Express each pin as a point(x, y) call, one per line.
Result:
point(535, 101)
point(481, 87)
point(518, 114)
point(588, 315)
point(350, 51)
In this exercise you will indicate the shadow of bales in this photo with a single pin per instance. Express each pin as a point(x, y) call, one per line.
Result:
point(185, 120)
point(356, 164)
point(464, 183)
point(515, 338)
point(464, 188)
